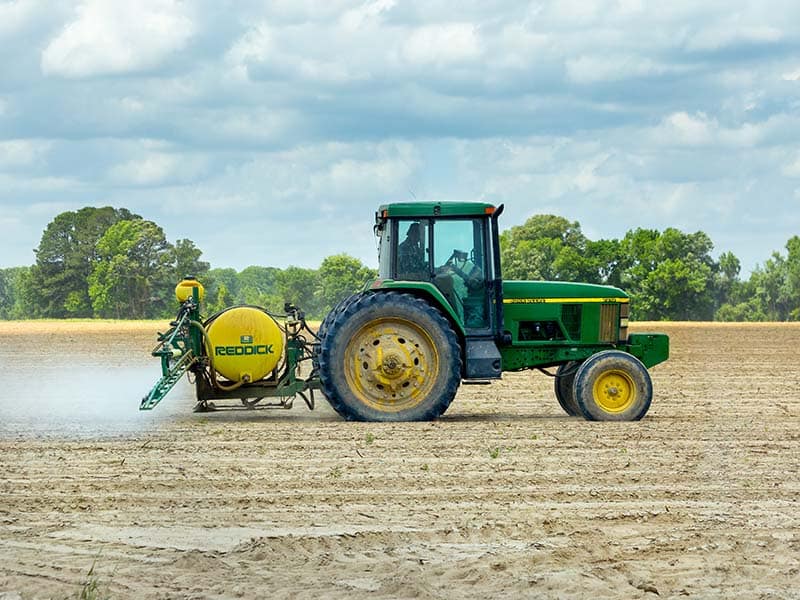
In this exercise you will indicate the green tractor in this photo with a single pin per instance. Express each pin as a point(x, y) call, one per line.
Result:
point(438, 314)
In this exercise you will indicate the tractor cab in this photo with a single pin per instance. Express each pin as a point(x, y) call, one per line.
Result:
point(452, 246)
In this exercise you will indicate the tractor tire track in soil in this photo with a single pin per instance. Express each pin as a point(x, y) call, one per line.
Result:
point(505, 496)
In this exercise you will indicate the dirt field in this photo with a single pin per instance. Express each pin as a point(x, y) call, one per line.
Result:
point(503, 497)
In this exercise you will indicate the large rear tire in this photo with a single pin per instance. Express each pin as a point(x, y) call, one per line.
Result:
point(326, 323)
point(390, 357)
point(565, 392)
point(613, 386)
point(335, 312)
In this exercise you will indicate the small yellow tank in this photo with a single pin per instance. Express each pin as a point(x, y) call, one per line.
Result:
point(184, 289)
point(245, 343)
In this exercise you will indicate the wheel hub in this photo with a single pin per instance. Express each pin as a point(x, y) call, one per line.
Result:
point(614, 391)
point(389, 360)
point(392, 366)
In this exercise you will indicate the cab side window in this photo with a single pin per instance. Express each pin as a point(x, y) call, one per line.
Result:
point(413, 252)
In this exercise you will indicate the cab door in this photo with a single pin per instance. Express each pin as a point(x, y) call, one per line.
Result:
point(462, 269)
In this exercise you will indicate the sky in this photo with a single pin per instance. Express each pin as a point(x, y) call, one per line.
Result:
point(269, 132)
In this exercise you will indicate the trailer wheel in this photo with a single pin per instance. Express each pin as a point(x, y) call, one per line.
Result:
point(565, 392)
point(613, 386)
point(390, 357)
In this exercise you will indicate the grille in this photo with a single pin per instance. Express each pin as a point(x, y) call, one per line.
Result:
point(571, 318)
point(609, 316)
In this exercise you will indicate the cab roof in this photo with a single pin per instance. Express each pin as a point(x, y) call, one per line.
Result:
point(435, 209)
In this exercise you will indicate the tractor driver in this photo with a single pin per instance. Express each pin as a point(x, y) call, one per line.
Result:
point(411, 263)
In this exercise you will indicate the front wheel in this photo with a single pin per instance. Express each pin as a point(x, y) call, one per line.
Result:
point(565, 392)
point(613, 386)
point(390, 357)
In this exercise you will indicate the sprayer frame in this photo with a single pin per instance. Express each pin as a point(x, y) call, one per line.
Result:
point(183, 349)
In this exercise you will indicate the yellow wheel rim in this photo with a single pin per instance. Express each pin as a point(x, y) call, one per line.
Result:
point(391, 364)
point(614, 391)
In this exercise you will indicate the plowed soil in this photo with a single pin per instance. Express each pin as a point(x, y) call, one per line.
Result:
point(503, 497)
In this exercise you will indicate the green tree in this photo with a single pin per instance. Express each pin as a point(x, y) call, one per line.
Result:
point(213, 281)
point(6, 294)
point(67, 255)
point(669, 274)
point(606, 258)
point(298, 286)
point(735, 299)
point(793, 277)
point(727, 283)
point(186, 257)
point(339, 277)
point(776, 285)
point(550, 247)
point(749, 309)
point(18, 295)
point(134, 276)
point(259, 285)
point(220, 299)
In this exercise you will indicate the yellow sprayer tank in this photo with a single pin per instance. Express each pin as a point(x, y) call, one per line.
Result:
point(245, 343)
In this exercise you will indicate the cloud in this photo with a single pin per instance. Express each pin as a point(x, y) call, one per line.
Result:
point(443, 45)
point(616, 113)
point(375, 174)
point(157, 168)
point(729, 33)
point(683, 128)
point(22, 153)
point(356, 18)
point(254, 46)
point(16, 15)
point(113, 38)
point(319, 197)
point(593, 69)
point(27, 185)
point(792, 169)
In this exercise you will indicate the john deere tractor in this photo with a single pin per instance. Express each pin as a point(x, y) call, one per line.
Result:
point(438, 314)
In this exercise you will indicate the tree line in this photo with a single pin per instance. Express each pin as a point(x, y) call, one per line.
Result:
point(111, 263)
point(670, 274)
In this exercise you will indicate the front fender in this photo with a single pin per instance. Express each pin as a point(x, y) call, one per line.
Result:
point(650, 348)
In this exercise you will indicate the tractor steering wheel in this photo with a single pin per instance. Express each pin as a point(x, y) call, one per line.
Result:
point(457, 255)
point(472, 280)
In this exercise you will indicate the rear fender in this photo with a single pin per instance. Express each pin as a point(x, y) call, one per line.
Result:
point(429, 292)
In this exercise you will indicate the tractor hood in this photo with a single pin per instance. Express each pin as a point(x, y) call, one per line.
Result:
point(542, 292)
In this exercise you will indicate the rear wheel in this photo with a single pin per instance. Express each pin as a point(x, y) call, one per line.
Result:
point(613, 386)
point(565, 393)
point(326, 323)
point(335, 312)
point(390, 357)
